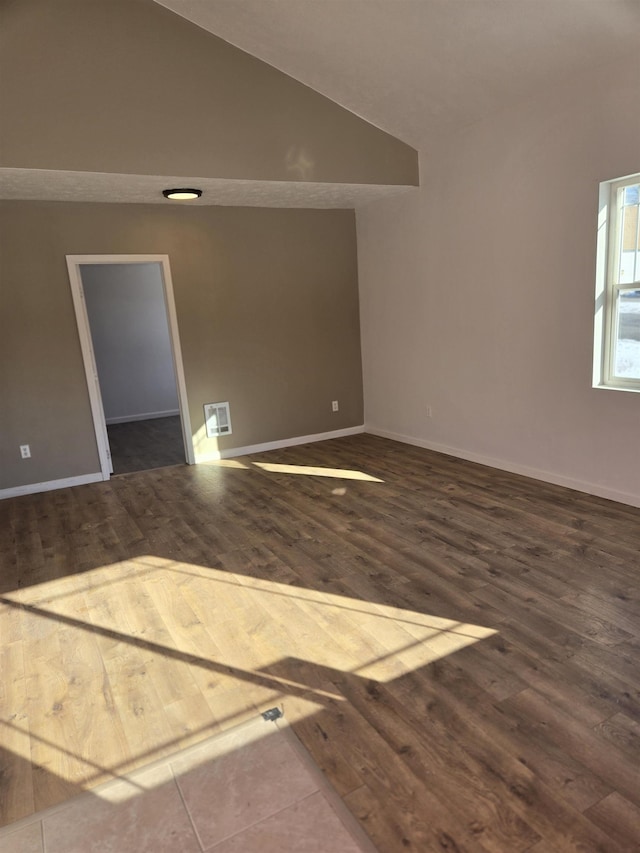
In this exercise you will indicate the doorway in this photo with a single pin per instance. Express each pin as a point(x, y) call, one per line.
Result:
point(130, 344)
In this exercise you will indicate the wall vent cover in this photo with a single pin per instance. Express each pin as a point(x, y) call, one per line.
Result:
point(217, 419)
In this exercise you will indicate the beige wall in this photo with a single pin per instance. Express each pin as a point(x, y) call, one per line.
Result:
point(126, 86)
point(477, 294)
point(267, 306)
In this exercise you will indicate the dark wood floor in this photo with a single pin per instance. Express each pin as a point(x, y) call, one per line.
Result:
point(458, 647)
point(142, 445)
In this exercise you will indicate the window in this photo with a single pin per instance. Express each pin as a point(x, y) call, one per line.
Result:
point(617, 338)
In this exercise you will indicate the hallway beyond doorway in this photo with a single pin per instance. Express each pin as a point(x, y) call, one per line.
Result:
point(141, 445)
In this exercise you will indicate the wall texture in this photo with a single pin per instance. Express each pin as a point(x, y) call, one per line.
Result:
point(477, 294)
point(127, 86)
point(131, 342)
point(267, 307)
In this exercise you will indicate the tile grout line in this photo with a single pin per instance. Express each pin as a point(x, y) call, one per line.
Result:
point(127, 777)
point(262, 820)
point(275, 730)
point(185, 807)
point(279, 731)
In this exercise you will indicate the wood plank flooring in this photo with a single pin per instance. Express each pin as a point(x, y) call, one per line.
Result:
point(458, 647)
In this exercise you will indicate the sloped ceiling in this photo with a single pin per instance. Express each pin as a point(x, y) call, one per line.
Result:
point(114, 100)
point(414, 68)
point(418, 67)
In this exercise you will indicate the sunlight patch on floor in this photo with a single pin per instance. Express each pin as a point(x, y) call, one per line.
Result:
point(315, 471)
point(306, 470)
point(253, 787)
point(118, 666)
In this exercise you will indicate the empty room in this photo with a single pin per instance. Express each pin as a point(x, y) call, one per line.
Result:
point(319, 417)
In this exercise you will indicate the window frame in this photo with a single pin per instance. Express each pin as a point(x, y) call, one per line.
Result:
point(608, 288)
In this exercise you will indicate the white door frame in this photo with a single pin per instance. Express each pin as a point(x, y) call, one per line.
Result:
point(74, 263)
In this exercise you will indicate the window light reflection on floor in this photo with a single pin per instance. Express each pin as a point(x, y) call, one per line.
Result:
point(314, 471)
point(155, 624)
point(308, 470)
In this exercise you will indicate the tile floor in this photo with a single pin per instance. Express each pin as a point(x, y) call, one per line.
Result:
point(254, 788)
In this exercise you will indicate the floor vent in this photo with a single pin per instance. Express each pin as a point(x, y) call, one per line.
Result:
point(272, 714)
point(217, 419)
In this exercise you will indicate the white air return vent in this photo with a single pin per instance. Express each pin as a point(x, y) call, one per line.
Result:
point(217, 419)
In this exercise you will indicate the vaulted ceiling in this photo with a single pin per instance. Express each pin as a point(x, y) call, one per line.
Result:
point(414, 68)
point(418, 67)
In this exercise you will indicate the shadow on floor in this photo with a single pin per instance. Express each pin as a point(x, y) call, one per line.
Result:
point(254, 787)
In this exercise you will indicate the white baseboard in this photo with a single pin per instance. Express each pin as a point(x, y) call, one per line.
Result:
point(33, 488)
point(214, 456)
point(146, 416)
point(50, 485)
point(490, 461)
point(512, 467)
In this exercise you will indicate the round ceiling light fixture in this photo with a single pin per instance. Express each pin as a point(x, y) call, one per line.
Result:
point(182, 194)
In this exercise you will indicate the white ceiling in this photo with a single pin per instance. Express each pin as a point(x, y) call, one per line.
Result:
point(416, 67)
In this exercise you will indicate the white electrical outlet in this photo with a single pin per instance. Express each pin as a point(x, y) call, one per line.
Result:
point(334, 406)
point(25, 451)
point(429, 411)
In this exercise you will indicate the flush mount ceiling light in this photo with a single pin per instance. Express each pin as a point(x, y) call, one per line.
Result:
point(182, 194)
